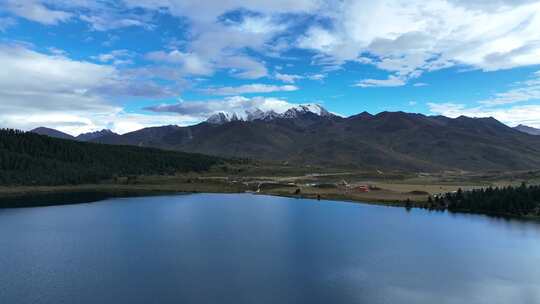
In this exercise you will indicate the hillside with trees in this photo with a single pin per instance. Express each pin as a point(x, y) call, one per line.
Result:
point(31, 159)
point(516, 201)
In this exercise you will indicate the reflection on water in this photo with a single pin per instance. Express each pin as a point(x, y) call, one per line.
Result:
point(238, 248)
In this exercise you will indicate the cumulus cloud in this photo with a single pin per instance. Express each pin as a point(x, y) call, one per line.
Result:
point(318, 77)
point(110, 21)
point(190, 63)
point(6, 22)
point(234, 104)
point(420, 36)
point(235, 36)
point(512, 116)
point(288, 78)
point(498, 105)
point(250, 89)
point(36, 11)
point(523, 91)
point(57, 91)
point(116, 57)
point(222, 43)
point(202, 12)
point(243, 67)
point(391, 81)
point(415, 37)
point(99, 15)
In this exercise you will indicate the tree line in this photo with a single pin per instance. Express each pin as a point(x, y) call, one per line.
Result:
point(32, 159)
point(522, 200)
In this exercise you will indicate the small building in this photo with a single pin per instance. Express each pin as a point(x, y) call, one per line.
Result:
point(361, 188)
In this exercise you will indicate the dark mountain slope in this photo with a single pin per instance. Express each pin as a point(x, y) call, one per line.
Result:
point(51, 133)
point(30, 159)
point(463, 143)
point(388, 140)
point(95, 135)
point(528, 130)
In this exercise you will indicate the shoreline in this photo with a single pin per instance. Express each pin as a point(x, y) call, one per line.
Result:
point(28, 197)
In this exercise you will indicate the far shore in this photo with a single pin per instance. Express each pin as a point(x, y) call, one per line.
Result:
point(408, 193)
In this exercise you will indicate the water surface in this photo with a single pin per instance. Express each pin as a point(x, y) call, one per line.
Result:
point(240, 248)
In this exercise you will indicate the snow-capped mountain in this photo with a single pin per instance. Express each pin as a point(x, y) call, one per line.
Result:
point(258, 114)
point(294, 112)
point(222, 117)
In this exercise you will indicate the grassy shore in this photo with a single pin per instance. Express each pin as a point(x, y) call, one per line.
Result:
point(393, 188)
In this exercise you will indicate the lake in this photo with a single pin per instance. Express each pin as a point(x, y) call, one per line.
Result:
point(243, 248)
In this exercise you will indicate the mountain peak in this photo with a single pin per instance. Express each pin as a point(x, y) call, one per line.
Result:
point(51, 133)
point(93, 135)
point(316, 109)
point(258, 114)
point(526, 129)
point(222, 117)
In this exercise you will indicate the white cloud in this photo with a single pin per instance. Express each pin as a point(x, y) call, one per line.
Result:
point(40, 73)
point(107, 22)
point(77, 122)
point(203, 12)
point(243, 67)
point(6, 22)
point(36, 11)
point(501, 105)
point(233, 104)
point(258, 25)
point(498, 105)
point(56, 51)
point(420, 84)
point(512, 116)
point(413, 37)
point(116, 57)
point(418, 36)
point(322, 40)
point(190, 63)
point(193, 64)
point(229, 43)
point(75, 96)
point(251, 89)
point(318, 77)
point(288, 78)
point(100, 15)
point(391, 81)
point(524, 91)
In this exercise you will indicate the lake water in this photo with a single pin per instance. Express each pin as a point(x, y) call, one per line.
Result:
point(241, 248)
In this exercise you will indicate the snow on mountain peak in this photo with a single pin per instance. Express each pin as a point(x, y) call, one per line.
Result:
point(258, 114)
point(306, 108)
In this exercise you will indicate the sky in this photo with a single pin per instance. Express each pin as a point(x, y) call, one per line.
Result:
point(83, 65)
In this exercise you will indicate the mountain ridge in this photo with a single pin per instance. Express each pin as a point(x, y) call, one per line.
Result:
point(258, 114)
point(387, 140)
point(51, 133)
point(94, 135)
point(527, 129)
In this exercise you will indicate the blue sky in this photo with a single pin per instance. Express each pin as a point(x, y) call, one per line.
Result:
point(86, 65)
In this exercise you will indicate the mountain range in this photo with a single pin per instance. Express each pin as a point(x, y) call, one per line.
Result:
point(258, 114)
point(81, 137)
point(528, 130)
point(310, 135)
